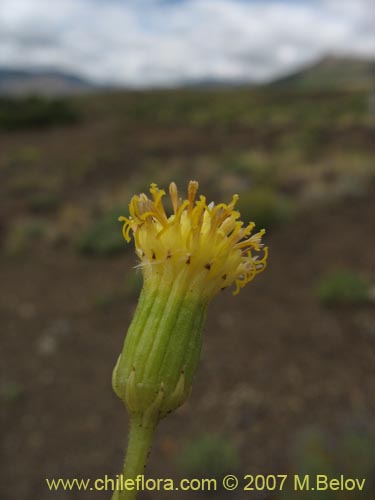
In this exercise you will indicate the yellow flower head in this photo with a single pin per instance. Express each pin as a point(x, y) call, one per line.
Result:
point(207, 242)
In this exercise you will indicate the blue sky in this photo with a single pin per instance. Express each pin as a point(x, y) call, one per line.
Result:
point(144, 43)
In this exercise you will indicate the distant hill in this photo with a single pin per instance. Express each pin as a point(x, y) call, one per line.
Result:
point(47, 83)
point(332, 71)
point(329, 72)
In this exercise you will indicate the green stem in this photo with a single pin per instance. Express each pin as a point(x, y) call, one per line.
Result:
point(139, 444)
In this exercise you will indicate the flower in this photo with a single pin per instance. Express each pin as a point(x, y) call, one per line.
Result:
point(206, 243)
point(186, 258)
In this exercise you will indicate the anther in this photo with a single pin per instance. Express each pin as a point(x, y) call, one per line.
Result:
point(174, 196)
point(192, 191)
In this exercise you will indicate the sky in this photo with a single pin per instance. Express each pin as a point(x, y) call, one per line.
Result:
point(143, 43)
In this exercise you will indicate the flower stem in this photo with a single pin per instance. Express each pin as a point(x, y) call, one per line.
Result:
point(139, 444)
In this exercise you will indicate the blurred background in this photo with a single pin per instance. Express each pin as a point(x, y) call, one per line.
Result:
point(273, 100)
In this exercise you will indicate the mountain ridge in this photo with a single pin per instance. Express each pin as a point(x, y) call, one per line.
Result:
point(49, 82)
point(330, 72)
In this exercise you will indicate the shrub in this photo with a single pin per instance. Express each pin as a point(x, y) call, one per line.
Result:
point(265, 207)
point(256, 168)
point(343, 287)
point(10, 392)
point(24, 233)
point(103, 237)
point(43, 201)
point(24, 157)
point(35, 112)
point(209, 455)
point(351, 453)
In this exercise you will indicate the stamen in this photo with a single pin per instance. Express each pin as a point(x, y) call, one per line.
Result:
point(174, 196)
point(192, 191)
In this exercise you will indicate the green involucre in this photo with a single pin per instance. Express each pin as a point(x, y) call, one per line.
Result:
point(155, 370)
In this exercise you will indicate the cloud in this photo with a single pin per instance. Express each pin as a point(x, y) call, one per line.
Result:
point(162, 42)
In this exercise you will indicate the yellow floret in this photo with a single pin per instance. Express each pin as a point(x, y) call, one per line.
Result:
point(207, 240)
